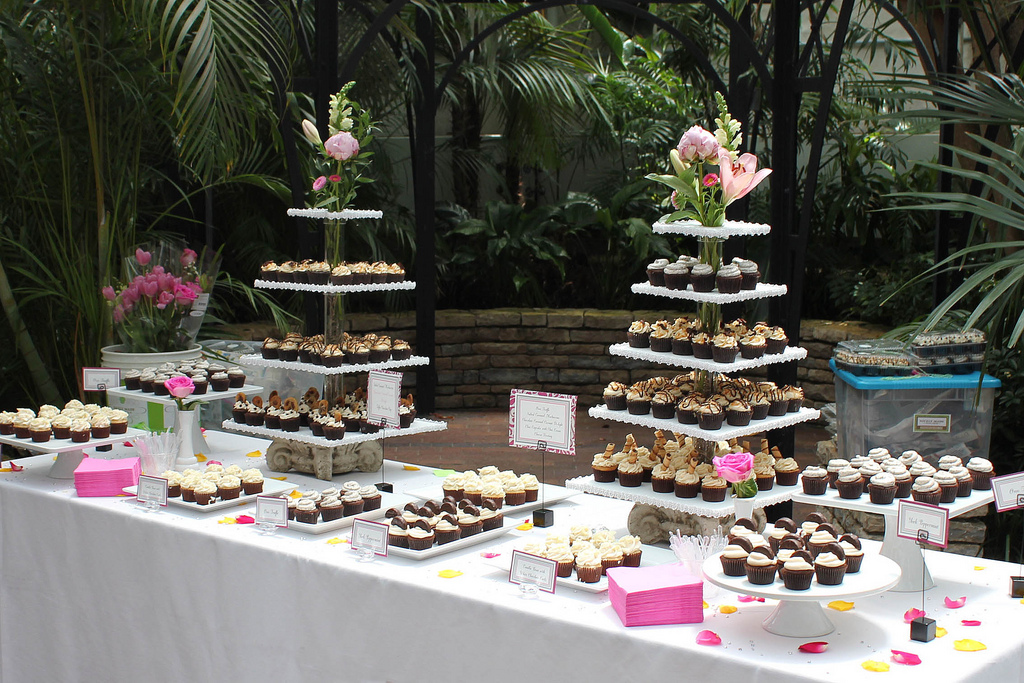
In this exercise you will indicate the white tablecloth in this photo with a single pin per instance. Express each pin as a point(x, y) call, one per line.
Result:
point(92, 589)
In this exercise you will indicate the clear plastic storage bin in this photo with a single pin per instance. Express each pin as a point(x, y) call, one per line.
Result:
point(931, 415)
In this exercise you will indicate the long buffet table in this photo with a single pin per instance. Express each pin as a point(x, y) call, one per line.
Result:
point(94, 589)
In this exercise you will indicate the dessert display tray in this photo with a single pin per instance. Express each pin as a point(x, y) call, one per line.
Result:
point(728, 229)
point(548, 494)
point(335, 289)
point(344, 214)
point(270, 488)
point(762, 291)
point(799, 613)
point(651, 557)
point(65, 445)
point(666, 358)
point(863, 504)
point(419, 426)
point(694, 506)
point(454, 546)
point(387, 500)
point(724, 434)
point(138, 394)
point(255, 359)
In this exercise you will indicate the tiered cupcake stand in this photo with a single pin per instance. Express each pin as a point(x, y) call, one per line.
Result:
point(711, 303)
point(904, 552)
point(334, 325)
point(69, 454)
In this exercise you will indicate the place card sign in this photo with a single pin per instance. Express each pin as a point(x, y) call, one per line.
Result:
point(100, 379)
point(272, 510)
point(542, 421)
point(370, 535)
point(932, 424)
point(383, 393)
point(923, 523)
point(539, 571)
point(1008, 491)
point(152, 490)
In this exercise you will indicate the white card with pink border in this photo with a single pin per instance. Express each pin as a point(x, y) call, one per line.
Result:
point(542, 421)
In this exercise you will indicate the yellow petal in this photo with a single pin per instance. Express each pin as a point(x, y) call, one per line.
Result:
point(336, 540)
point(841, 605)
point(295, 494)
point(968, 645)
point(254, 454)
point(200, 457)
point(727, 609)
point(978, 568)
point(228, 520)
point(449, 573)
point(940, 632)
point(872, 665)
point(525, 526)
point(411, 468)
point(706, 605)
point(279, 478)
point(5, 469)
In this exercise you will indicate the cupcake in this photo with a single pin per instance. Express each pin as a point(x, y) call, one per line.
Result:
point(759, 406)
point(252, 481)
point(702, 277)
point(656, 272)
point(493, 493)
point(948, 462)
point(400, 350)
point(734, 557)
point(681, 345)
point(229, 487)
point(289, 420)
point(687, 485)
point(948, 486)
point(615, 396)
point(663, 478)
point(219, 381)
point(637, 402)
point(470, 521)
point(728, 279)
point(926, 490)
point(677, 275)
point(661, 340)
point(604, 466)
point(834, 466)
point(787, 472)
point(964, 481)
point(173, 482)
point(882, 488)
point(100, 426)
point(271, 348)
point(904, 482)
point(981, 473)
point(532, 486)
point(710, 416)
point(761, 566)
point(724, 348)
point(700, 344)
point(398, 530)
point(588, 566)
point(854, 553)
point(814, 480)
point(713, 489)
point(776, 341)
point(203, 491)
point(132, 380)
point(421, 536)
point(778, 404)
point(632, 550)
point(849, 483)
point(752, 346)
point(830, 565)
point(686, 409)
point(795, 398)
point(738, 413)
point(764, 475)
point(447, 530)
point(39, 430)
point(797, 571)
point(340, 275)
point(750, 274)
point(823, 535)
point(515, 492)
point(631, 472)
point(81, 430)
point(61, 426)
point(611, 556)
point(639, 334)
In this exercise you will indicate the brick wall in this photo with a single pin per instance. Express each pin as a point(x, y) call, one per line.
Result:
point(481, 355)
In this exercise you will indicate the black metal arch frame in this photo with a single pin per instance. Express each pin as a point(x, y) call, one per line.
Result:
point(780, 88)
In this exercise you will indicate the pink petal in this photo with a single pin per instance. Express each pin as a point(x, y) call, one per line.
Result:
point(746, 598)
point(15, 467)
point(955, 604)
point(912, 614)
point(905, 658)
point(245, 519)
point(970, 622)
point(815, 647)
point(213, 462)
point(706, 637)
point(490, 555)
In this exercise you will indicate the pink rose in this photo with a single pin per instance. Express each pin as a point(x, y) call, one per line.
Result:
point(108, 293)
point(734, 467)
point(698, 144)
point(319, 183)
point(184, 294)
point(180, 386)
point(188, 257)
point(143, 257)
point(164, 300)
point(342, 146)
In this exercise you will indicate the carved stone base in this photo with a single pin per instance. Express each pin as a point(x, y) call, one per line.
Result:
point(654, 524)
point(322, 462)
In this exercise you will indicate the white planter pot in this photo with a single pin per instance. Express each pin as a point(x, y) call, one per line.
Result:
point(116, 357)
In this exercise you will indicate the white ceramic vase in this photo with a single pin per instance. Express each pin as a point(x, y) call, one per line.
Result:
point(186, 426)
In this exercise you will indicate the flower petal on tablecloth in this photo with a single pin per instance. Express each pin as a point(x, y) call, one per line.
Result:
point(955, 604)
point(707, 637)
point(490, 555)
point(970, 622)
point(978, 568)
point(840, 605)
point(449, 573)
point(912, 613)
point(337, 540)
point(872, 665)
point(940, 632)
point(202, 458)
point(443, 473)
point(815, 647)
point(227, 520)
point(245, 519)
point(295, 494)
point(968, 645)
point(706, 605)
point(905, 658)
point(525, 526)
point(254, 454)
point(746, 598)
point(727, 609)
point(411, 468)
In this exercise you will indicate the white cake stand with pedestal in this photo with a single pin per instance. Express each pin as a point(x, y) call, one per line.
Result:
point(69, 454)
point(799, 614)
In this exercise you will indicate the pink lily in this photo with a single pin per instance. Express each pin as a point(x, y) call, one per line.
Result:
point(740, 178)
point(905, 658)
point(815, 647)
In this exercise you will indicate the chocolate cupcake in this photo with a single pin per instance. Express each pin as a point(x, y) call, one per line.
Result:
point(749, 273)
point(723, 348)
point(637, 402)
point(759, 406)
point(710, 416)
point(713, 489)
point(776, 341)
point(663, 405)
point(686, 409)
point(981, 473)
point(656, 272)
point(681, 343)
point(854, 553)
point(728, 279)
point(761, 566)
point(677, 275)
point(814, 480)
point(738, 413)
point(687, 484)
point(926, 490)
point(702, 277)
point(752, 346)
point(830, 565)
point(630, 472)
point(615, 396)
point(797, 571)
point(639, 334)
point(700, 344)
point(849, 483)
point(734, 558)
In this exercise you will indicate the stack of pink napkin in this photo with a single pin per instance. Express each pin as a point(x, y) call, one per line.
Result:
point(97, 477)
point(646, 596)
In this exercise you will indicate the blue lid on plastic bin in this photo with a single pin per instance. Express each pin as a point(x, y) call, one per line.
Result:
point(969, 381)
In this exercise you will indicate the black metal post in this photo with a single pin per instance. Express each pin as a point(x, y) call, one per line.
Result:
point(944, 221)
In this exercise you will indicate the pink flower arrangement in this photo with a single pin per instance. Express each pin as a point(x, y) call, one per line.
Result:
point(149, 309)
point(180, 387)
point(738, 470)
point(701, 195)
